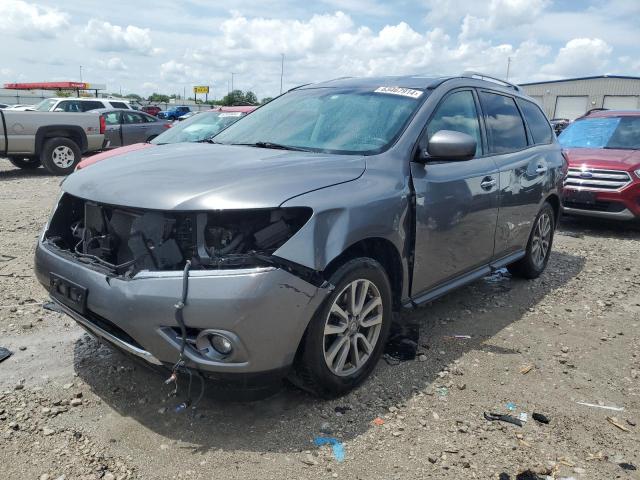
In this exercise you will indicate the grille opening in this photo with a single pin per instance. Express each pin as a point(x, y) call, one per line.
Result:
point(597, 179)
point(598, 206)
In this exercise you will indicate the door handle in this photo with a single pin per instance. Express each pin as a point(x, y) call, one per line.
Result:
point(540, 169)
point(488, 183)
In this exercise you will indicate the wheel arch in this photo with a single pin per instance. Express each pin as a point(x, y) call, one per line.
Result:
point(554, 200)
point(72, 132)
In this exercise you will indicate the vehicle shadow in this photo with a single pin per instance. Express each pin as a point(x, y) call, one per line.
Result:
point(288, 420)
point(576, 226)
point(18, 173)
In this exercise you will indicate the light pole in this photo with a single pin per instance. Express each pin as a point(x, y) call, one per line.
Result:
point(508, 67)
point(232, 75)
point(281, 72)
point(80, 73)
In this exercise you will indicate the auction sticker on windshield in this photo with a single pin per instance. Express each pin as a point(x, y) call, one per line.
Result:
point(405, 92)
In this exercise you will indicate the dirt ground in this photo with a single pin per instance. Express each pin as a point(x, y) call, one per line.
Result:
point(73, 409)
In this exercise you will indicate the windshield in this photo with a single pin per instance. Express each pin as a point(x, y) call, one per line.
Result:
point(332, 120)
point(605, 132)
point(45, 105)
point(197, 128)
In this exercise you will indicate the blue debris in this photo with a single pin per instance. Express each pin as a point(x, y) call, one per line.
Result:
point(511, 406)
point(336, 445)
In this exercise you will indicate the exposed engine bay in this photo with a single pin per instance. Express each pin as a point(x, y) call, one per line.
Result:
point(126, 241)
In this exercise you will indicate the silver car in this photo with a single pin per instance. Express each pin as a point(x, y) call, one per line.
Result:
point(283, 246)
point(126, 127)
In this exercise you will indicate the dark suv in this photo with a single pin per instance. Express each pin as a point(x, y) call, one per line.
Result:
point(283, 245)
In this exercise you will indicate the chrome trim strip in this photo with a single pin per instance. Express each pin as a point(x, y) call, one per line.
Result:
point(98, 332)
point(598, 179)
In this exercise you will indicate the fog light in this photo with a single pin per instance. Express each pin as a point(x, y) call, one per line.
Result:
point(221, 344)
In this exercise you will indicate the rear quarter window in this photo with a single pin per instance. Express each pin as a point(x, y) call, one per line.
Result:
point(537, 121)
point(91, 105)
point(119, 105)
point(505, 127)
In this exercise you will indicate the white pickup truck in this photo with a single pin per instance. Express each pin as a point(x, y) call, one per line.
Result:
point(55, 140)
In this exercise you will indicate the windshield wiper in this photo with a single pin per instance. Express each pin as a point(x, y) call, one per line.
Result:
point(208, 140)
point(276, 146)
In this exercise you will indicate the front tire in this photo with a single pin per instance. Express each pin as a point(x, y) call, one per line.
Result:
point(60, 155)
point(25, 163)
point(346, 337)
point(538, 247)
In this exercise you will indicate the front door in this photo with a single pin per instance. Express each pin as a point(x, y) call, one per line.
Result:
point(456, 201)
point(134, 128)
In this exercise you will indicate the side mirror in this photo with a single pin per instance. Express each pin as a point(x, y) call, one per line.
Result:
point(449, 145)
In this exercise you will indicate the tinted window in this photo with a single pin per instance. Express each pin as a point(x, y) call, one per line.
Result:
point(91, 105)
point(504, 124)
point(149, 118)
point(537, 121)
point(458, 113)
point(119, 105)
point(130, 117)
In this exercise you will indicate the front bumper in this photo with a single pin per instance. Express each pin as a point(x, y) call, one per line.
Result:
point(615, 205)
point(264, 310)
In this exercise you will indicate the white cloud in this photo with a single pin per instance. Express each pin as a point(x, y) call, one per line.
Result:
point(580, 56)
point(105, 37)
point(114, 64)
point(31, 21)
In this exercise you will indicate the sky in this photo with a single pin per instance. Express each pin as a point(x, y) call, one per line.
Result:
point(167, 46)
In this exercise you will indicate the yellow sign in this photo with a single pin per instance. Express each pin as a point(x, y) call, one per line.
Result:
point(200, 90)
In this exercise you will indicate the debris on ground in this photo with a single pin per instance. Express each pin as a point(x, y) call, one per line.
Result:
point(526, 369)
point(403, 342)
point(606, 407)
point(538, 417)
point(502, 418)
point(614, 421)
point(378, 421)
point(336, 446)
point(5, 353)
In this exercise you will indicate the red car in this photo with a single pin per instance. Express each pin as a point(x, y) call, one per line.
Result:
point(603, 150)
point(197, 128)
point(151, 109)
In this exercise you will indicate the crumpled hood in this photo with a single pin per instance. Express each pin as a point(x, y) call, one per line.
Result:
point(603, 158)
point(202, 176)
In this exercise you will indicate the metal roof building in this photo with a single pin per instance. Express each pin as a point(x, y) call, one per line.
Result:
point(572, 97)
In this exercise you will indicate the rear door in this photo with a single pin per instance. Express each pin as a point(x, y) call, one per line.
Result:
point(134, 128)
point(113, 130)
point(523, 167)
point(456, 201)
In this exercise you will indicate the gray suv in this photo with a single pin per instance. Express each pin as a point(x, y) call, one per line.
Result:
point(283, 245)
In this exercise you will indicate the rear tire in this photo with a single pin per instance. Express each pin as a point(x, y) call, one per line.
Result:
point(538, 247)
point(25, 163)
point(60, 155)
point(346, 337)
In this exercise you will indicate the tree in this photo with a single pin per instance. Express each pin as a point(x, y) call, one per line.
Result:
point(158, 98)
point(250, 97)
point(133, 96)
point(238, 97)
point(265, 100)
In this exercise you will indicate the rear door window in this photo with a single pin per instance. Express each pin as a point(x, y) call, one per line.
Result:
point(89, 105)
point(112, 118)
point(68, 106)
point(539, 126)
point(505, 127)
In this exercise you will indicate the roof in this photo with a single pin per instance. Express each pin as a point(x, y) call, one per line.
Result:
point(624, 77)
point(612, 113)
point(405, 81)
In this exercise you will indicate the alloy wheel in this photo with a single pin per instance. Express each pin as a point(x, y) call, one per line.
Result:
point(541, 240)
point(352, 327)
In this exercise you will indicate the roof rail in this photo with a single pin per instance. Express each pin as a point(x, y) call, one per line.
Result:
point(589, 112)
point(483, 76)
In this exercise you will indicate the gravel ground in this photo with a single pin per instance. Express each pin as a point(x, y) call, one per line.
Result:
point(73, 409)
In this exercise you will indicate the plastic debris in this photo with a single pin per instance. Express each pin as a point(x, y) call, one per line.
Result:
point(5, 353)
point(511, 406)
point(336, 446)
point(443, 391)
point(614, 421)
point(538, 417)
point(378, 421)
point(627, 466)
point(502, 418)
point(617, 409)
point(523, 417)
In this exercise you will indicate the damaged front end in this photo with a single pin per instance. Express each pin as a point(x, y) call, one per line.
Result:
point(124, 241)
